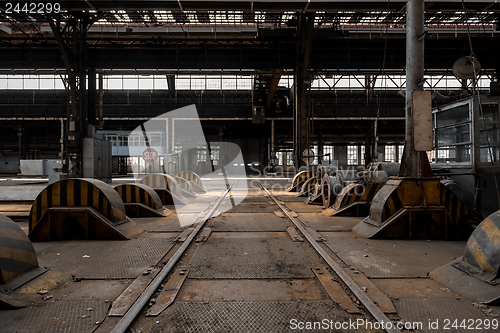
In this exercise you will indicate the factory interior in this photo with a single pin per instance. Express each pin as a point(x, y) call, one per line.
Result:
point(249, 166)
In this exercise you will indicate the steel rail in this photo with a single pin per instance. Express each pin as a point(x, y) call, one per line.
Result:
point(135, 309)
point(356, 290)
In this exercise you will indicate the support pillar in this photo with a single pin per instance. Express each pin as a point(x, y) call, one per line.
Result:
point(301, 117)
point(415, 35)
point(71, 39)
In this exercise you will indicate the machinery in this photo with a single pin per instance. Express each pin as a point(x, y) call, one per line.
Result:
point(79, 208)
point(355, 198)
point(140, 200)
point(166, 187)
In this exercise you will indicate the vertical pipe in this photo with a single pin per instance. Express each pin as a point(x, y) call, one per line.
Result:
point(100, 112)
point(375, 145)
point(415, 34)
point(273, 152)
point(61, 140)
point(20, 134)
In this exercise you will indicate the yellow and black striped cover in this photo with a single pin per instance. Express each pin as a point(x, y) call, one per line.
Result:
point(161, 181)
point(79, 192)
point(309, 185)
point(299, 179)
point(185, 185)
point(356, 192)
point(17, 255)
point(190, 176)
point(139, 193)
point(483, 247)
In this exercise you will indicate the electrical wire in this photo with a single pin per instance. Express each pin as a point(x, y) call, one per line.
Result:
point(476, 90)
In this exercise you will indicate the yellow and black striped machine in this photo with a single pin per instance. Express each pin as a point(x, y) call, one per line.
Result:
point(17, 255)
point(79, 208)
point(167, 188)
point(140, 200)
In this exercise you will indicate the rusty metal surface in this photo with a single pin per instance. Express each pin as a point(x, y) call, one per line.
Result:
point(290, 197)
point(392, 258)
point(294, 235)
point(239, 290)
point(159, 224)
point(250, 258)
point(246, 317)
point(263, 207)
point(422, 120)
point(334, 290)
point(203, 235)
point(321, 222)
point(248, 222)
point(169, 292)
point(57, 317)
point(466, 285)
point(442, 309)
point(408, 287)
point(128, 296)
point(301, 207)
point(103, 259)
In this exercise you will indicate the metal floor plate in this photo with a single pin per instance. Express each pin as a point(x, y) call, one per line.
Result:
point(250, 258)
point(103, 259)
point(321, 222)
point(57, 317)
point(292, 198)
point(442, 309)
point(159, 224)
point(392, 258)
point(249, 222)
point(301, 207)
point(246, 316)
point(263, 207)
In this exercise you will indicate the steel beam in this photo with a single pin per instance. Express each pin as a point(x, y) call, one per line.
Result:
point(341, 55)
point(302, 82)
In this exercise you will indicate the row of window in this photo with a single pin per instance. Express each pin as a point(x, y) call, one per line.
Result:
point(230, 82)
point(355, 155)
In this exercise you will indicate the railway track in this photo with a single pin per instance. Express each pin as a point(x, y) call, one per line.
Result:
point(227, 230)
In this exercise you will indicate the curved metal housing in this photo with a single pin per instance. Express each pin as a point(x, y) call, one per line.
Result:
point(17, 255)
point(194, 179)
point(355, 199)
point(186, 187)
point(140, 200)
point(299, 179)
point(79, 208)
point(415, 208)
point(482, 252)
point(167, 188)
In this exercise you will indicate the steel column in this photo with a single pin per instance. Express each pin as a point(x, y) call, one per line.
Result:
point(301, 84)
point(415, 34)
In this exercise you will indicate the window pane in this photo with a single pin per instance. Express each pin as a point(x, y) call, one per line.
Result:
point(352, 155)
point(131, 83)
point(160, 82)
point(146, 83)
